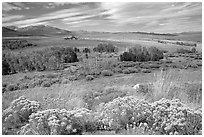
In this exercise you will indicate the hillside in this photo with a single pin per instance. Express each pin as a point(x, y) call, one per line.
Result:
point(6, 32)
point(41, 30)
point(185, 36)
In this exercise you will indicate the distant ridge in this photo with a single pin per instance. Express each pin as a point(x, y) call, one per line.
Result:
point(40, 30)
point(7, 32)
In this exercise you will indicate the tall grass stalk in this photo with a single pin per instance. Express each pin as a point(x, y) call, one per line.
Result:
point(171, 84)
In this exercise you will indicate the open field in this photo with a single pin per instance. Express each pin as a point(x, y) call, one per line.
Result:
point(121, 40)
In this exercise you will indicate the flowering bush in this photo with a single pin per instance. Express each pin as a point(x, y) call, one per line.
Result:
point(164, 116)
point(173, 117)
point(122, 111)
point(169, 117)
point(58, 122)
point(18, 113)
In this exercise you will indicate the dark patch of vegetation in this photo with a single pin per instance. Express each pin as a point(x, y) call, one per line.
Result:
point(146, 71)
point(76, 50)
point(12, 87)
point(105, 47)
point(142, 54)
point(107, 73)
point(48, 59)
point(183, 51)
point(87, 50)
point(186, 44)
point(16, 44)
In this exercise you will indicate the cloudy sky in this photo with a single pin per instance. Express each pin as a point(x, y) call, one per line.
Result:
point(135, 16)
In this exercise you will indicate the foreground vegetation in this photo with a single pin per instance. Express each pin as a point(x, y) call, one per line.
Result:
point(94, 94)
point(156, 108)
point(169, 117)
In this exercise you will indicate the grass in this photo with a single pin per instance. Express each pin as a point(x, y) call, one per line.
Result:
point(73, 91)
point(172, 84)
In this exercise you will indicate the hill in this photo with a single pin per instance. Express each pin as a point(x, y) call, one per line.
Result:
point(40, 30)
point(43, 30)
point(7, 32)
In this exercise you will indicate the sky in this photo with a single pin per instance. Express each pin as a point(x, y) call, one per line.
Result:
point(158, 17)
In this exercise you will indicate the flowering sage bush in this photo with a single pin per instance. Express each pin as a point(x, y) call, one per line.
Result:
point(120, 112)
point(17, 114)
point(58, 122)
point(169, 117)
point(173, 117)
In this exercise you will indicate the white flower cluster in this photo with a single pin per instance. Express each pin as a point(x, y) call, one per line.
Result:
point(163, 116)
point(57, 122)
point(173, 117)
point(169, 117)
point(122, 111)
point(18, 112)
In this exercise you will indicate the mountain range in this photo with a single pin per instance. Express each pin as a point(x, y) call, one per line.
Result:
point(40, 30)
point(46, 30)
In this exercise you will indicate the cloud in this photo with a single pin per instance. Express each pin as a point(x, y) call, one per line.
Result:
point(154, 15)
point(121, 16)
point(35, 24)
point(7, 7)
point(11, 17)
point(66, 15)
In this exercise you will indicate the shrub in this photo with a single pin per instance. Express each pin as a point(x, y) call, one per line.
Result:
point(166, 117)
point(16, 44)
point(146, 71)
point(126, 71)
point(4, 85)
point(86, 50)
point(65, 81)
point(199, 64)
point(193, 50)
point(17, 114)
point(130, 70)
point(186, 44)
point(154, 65)
point(23, 86)
point(12, 87)
point(145, 66)
point(46, 83)
point(183, 51)
point(73, 78)
point(142, 54)
point(107, 73)
point(76, 50)
point(105, 47)
point(51, 75)
point(193, 65)
point(59, 122)
point(117, 70)
point(48, 59)
point(89, 77)
point(93, 99)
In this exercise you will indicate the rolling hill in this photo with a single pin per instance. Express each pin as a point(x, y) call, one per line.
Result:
point(41, 30)
point(7, 32)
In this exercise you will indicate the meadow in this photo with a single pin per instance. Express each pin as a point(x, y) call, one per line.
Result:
point(96, 96)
